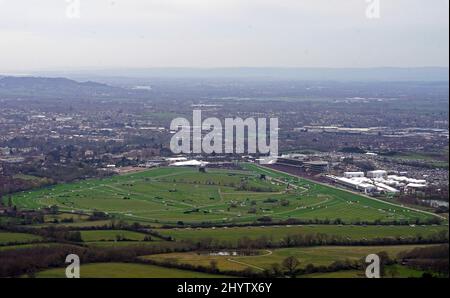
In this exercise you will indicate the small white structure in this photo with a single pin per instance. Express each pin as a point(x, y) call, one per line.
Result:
point(353, 174)
point(190, 163)
point(371, 154)
point(377, 174)
point(176, 159)
point(416, 186)
point(407, 180)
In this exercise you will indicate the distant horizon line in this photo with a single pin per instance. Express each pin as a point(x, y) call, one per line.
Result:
point(91, 68)
point(386, 73)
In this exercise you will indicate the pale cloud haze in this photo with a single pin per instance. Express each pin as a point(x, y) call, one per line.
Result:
point(37, 34)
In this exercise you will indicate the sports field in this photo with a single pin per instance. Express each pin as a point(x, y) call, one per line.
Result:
point(173, 195)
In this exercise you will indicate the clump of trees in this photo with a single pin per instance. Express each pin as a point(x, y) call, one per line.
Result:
point(435, 259)
point(11, 184)
point(98, 215)
point(313, 239)
point(22, 261)
point(290, 264)
point(268, 221)
point(252, 188)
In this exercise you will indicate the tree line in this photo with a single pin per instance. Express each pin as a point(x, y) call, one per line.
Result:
point(269, 221)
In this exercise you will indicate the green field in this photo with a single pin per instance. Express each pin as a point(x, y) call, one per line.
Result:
point(32, 245)
point(337, 274)
point(106, 244)
point(76, 224)
point(318, 256)
point(111, 235)
point(279, 232)
point(402, 272)
point(6, 237)
point(171, 195)
point(55, 218)
point(122, 270)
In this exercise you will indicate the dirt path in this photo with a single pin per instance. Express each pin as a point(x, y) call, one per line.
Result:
point(269, 252)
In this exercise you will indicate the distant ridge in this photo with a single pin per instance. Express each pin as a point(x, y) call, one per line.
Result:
point(28, 86)
point(42, 83)
point(425, 74)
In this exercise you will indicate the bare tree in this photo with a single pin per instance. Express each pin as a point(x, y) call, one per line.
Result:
point(214, 265)
point(291, 264)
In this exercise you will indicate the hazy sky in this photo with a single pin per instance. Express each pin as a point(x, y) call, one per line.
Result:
point(38, 34)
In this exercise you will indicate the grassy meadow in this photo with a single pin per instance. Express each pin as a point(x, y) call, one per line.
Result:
point(318, 256)
point(277, 233)
point(125, 270)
